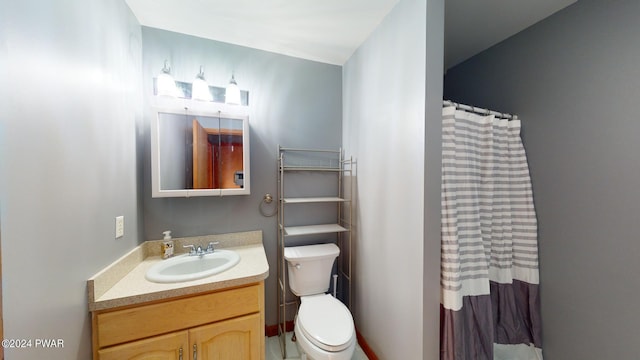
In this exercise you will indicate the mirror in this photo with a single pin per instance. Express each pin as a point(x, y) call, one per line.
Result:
point(199, 153)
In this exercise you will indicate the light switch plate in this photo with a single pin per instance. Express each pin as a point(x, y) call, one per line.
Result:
point(119, 226)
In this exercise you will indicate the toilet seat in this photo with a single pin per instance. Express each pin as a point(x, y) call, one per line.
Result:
point(326, 322)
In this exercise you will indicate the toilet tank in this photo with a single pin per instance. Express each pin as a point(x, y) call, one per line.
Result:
point(309, 267)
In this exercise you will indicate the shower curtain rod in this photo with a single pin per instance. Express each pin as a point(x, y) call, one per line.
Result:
point(478, 110)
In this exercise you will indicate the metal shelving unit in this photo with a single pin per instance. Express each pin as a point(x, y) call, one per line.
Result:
point(320, 161)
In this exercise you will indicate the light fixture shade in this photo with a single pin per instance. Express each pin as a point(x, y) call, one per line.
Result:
point(232, 93)
point(165, 83)
point(200, 88)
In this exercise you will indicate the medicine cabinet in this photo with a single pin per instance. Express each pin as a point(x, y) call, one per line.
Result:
point(199, 151)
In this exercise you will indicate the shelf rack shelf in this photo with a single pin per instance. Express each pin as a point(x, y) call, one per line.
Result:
point(314, 161)
point(308, 200)
point(313, 229)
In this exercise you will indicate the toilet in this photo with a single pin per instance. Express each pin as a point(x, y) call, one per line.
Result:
point(324, 326)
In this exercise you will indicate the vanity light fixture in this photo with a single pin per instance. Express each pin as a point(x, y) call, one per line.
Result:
point(166, 84)
point(232, 93)
point(200, 88)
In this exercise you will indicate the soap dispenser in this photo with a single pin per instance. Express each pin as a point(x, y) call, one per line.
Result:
point(167, 245)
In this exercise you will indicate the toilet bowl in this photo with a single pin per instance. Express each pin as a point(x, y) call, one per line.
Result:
point(324, 326)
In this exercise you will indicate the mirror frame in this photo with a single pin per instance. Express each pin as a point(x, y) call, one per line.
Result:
point(197, 109)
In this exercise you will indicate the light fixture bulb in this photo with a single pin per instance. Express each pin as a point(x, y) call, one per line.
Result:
point(232, 93)
point(165, 83)
point(200, 88)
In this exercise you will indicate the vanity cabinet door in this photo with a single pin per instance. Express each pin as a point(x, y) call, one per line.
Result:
point(172, 346)
point(235, 339)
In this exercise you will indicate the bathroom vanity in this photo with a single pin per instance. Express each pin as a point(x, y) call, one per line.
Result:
point(217, 317)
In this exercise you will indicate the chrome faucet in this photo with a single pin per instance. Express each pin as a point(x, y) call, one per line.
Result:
point(192, 249)
point(210, 248)
point(199, 251)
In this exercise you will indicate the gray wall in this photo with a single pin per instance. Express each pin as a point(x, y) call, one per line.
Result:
point(384, 86)
point(574, 79)
point(432, 179)
point(293, 102)
point(69, 107)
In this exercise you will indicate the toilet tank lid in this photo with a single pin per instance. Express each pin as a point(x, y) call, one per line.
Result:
point(311, 252)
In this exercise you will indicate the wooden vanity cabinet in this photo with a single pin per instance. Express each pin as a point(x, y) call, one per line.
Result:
point(226, 324)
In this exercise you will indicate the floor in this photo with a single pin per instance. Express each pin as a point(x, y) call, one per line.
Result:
point(273, 350)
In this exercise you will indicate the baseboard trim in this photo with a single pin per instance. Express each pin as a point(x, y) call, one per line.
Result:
point(365, 347)
point(272, 330)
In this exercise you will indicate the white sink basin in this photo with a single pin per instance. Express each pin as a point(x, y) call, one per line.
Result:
point(185, 267)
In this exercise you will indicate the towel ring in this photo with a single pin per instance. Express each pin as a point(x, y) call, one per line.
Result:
point(267, 199)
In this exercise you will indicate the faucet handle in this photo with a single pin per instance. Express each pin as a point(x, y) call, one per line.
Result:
point(210, 246)
point(191, 247)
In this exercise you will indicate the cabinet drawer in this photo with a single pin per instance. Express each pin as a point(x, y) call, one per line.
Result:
point(148, 320)
point(172, 346)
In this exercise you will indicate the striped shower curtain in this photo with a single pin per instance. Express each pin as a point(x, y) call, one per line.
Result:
point(490, 304)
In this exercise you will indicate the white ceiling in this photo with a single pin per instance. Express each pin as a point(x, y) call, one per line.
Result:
point(329, 31)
